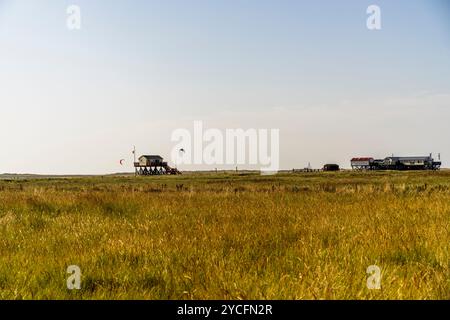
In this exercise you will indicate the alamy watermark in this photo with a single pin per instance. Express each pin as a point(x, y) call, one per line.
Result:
point(259, 147)
point(374, 278)
point(74, 280)
point(374, 20)
point(73, 21)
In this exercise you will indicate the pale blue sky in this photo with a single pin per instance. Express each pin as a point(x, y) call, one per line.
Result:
point(77, 101)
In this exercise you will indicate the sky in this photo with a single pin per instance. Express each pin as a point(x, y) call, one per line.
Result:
point(77, 101)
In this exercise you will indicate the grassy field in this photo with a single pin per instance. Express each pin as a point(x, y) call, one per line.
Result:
point(227, 236)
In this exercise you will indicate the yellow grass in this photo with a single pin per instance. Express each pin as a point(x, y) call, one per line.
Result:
point(225, 236)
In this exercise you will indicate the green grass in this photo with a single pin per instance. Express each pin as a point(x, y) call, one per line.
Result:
point(227, 236)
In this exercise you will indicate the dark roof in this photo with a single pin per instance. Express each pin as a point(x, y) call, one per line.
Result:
point(410, 158)
point(362, 159)
point(151, 157)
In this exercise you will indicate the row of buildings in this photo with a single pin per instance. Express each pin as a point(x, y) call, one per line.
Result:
point(155, 164)
point(396, 163)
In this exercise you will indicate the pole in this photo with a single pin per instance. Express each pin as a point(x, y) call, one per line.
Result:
point(134, 160)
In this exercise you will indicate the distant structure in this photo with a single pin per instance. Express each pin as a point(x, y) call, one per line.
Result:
point(305, 169)
point(331, 167)
point(149, 165)
point(364, 163)
point(396, 163)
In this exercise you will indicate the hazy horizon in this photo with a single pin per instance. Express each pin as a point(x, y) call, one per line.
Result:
point(77, 101)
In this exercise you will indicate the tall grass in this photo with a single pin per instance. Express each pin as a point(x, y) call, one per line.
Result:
point(289, 236)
